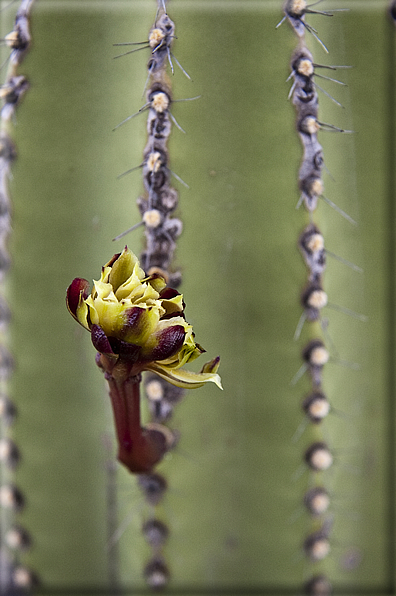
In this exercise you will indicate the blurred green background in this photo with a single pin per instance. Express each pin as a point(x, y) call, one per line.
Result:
point(236, 479)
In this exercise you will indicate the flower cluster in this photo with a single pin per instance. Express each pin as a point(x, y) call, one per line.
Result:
point(137, 323)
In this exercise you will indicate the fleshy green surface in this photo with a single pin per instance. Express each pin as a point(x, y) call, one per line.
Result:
point(236, 480)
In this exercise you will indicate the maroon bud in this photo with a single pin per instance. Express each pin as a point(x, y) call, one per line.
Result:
point(100, 340)
point(170, 341)
point(77, 286)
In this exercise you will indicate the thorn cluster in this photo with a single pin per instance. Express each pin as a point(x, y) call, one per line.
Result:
point(318, 457)
point(162, 229)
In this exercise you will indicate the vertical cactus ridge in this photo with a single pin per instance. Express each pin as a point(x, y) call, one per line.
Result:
point(319, 457)
point(15, 539)
point(161, 229)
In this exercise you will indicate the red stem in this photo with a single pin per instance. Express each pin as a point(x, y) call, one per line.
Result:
point(138, 449)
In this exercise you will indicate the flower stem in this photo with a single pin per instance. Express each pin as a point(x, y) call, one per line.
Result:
point(139, 449)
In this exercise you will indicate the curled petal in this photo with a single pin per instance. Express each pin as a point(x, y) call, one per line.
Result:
point(184, 378)
point(103, 291)
point(145, 294)
point(105, 310)
point(133, 286)
point(212, 366)
point(77, 292)
point(157, 282)
point(173, 303)
point(173, 306)
point(122, 268)
point(104, 277)
point(77, 286)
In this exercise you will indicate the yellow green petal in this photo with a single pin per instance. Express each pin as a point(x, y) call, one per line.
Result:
point(184, 378)
point(103, 291)
point(123, 267)
point(82, 313)
point(157, 282)
point(107, 313)
point(104, 277)
point(172, 305)
point(150, 295)
point(211, 366)
point(145, 327)
point(132, 286)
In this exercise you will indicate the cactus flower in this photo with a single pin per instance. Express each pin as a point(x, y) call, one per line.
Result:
point(137, 323)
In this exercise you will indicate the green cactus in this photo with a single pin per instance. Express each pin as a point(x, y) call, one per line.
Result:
point(236, 479)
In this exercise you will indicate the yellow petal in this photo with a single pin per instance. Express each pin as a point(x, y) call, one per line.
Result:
point(105, 274)
point(132, 287)
point(107, 313)
point(82, 313)
point(150, 295)
point(145, 326)
point(172, 305)
point(157, 282)
point(123, 267)
point(103, 291)
point(184, 378)
point(211, 366)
